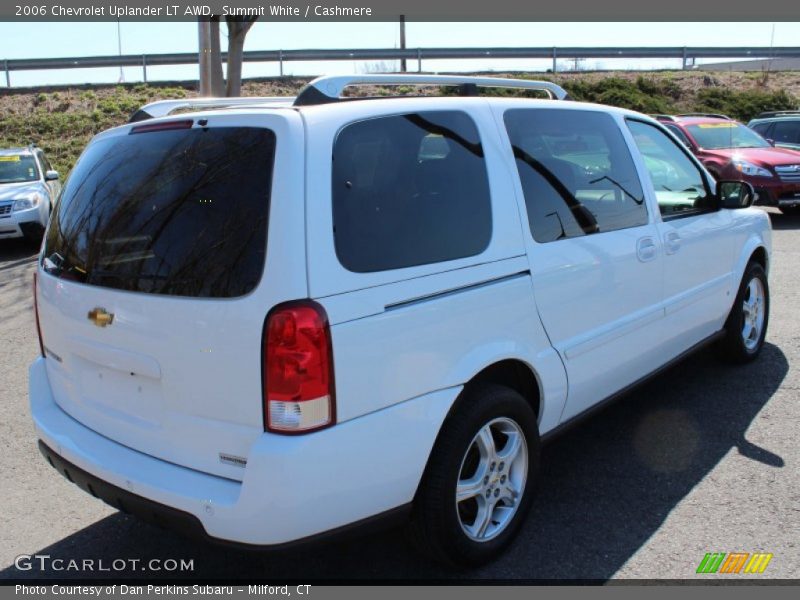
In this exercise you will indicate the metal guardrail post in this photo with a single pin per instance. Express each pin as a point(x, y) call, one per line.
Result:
point(419, 60)
point(280, 61)
point(144, 67)
point(684, 58)
point(555, 56)
point(8, 74)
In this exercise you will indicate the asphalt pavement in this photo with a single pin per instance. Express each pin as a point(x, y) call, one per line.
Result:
point(702, 459)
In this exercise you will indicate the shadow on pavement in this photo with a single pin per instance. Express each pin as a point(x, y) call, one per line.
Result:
point(15, 250)
point(606, 486)
point(782, 221)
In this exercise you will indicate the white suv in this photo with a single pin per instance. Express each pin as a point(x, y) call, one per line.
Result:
point(28, 189)
point(284, 317)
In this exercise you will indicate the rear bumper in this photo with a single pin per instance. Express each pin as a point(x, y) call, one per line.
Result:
point(187, 524)
point(294, 487)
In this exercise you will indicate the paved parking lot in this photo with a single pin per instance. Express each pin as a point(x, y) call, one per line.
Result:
point(703, 459)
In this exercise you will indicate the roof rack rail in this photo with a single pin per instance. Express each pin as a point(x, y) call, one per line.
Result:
point(705, 114)
point(777, 113)
point(162, 108)
point(664, 117)
point(328, 89)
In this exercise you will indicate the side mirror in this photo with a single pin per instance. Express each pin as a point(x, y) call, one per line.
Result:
point(770, 142)
point(51, 176)
point(735, 194)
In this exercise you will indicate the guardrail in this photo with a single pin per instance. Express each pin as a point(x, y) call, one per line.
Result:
point(687, 54)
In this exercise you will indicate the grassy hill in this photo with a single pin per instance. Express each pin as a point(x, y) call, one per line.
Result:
point(62, 120)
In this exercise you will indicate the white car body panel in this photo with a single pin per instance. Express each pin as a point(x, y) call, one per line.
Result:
point(293, 486)
point(149, 403)
point(172, 368)
point(10, 221)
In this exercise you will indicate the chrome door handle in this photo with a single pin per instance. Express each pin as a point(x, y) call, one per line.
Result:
point(672, 242)
point(646, 249)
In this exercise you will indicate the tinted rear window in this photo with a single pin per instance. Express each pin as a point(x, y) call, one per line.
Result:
point(409, 190)
point(180, 212)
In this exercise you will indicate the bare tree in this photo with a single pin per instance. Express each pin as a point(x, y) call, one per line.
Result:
point(237, 30)
point(210, 59)
point(217, 82)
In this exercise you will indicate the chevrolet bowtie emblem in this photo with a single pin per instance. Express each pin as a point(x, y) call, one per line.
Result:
point(100, 317)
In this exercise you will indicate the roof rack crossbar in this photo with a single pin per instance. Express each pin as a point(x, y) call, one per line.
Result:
point(162, 108)
point(777, 113)
point(328, 89)
point(705, 114)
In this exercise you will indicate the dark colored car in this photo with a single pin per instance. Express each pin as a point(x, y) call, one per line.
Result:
point(781, 127)
point(731, 150)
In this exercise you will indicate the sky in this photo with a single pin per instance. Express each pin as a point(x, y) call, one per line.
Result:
point(49, 40)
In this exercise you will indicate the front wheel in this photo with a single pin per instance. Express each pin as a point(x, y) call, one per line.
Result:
point(480, 478)
point(746, 326)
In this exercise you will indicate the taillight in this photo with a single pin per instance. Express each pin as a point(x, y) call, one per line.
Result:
point(36, 312)
point(298, 369)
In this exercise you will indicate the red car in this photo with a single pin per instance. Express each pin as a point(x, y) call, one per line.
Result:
point(730, 150)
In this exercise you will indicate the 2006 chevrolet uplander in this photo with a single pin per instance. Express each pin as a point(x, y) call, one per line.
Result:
point(281, 317)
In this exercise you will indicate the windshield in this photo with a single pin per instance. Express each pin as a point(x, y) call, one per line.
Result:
point(180, 212)
point(17, 168)
point(715, 136)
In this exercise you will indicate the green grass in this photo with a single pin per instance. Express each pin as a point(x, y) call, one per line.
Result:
point(62, 123)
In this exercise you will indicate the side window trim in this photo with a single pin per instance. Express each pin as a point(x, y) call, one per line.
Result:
point(686, 152)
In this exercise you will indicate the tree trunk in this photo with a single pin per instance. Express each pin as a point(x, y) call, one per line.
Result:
point(237, 30)
point(204, 56)
point(217, 82)
point(235, 53)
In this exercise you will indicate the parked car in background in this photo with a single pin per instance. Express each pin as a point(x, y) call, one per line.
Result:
point(780, 127)
point(730, 150)
point(29, 187)
point(278, 318)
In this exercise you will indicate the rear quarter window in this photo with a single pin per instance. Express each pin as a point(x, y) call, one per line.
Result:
point(178, 212)
point(409, 190)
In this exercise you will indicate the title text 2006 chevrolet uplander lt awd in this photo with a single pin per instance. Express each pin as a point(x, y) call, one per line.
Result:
point(281, 317)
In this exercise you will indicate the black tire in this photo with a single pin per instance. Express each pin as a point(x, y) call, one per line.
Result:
point(435, 524)
point(733, 347)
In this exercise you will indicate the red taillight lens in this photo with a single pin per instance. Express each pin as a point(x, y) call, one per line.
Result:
point(298, 369)
point(36, 312)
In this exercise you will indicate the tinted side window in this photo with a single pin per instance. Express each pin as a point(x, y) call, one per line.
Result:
point(786, 132)
point(679, 184)
point(679, 134)
point(576, 172)
point(762, 129)
point(409, 190)
point(43, 160)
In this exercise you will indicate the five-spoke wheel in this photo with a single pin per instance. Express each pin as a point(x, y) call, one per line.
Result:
point(479, 481)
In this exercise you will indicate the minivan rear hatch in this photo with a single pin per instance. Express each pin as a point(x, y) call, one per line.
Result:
point(149, 291)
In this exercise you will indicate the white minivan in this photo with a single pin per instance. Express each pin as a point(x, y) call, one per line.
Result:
point(271, 319)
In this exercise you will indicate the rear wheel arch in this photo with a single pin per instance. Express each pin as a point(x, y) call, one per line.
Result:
point(514, 374)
